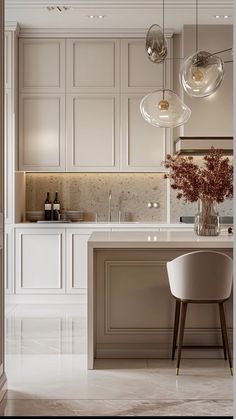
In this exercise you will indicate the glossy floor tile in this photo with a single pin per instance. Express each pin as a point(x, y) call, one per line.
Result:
point(47, 374)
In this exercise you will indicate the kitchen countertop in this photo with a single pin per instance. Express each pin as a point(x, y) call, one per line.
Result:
point(159, 239)
point(113, 224)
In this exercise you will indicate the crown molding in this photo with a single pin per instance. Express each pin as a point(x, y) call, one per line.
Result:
point(86, 33)
point(119, 4)
point(12, 26)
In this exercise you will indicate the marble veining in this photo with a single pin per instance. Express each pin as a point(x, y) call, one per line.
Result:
point(89, 192)
point(46, 366)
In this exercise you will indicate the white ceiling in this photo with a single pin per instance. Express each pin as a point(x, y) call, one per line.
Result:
point(119, 14)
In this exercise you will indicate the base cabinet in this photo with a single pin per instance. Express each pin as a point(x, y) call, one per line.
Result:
point(76, 261)
point(40, 261)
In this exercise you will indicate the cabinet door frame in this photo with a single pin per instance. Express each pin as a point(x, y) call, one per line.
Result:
point(125, 85)
point(70, 166)
point(124, 152)
point(61, 67)
point(70, 234)
point(70, 88)
point(62, 142)
point(9, 259)
point(19, 233)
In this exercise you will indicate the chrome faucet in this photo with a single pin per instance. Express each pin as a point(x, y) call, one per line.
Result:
point(109, 207)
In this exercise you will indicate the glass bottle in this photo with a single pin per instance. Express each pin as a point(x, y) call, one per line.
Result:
point(48, 208)
point(56, 208)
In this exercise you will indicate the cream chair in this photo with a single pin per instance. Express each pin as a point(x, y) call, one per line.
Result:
point(200, 277)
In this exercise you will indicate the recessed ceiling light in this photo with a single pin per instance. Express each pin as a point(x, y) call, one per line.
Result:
point(58, 8)
point(217, 16)
point(96, 16)
point(226, 17)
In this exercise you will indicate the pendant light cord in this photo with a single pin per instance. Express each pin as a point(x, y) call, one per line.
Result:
point(196, 25)
point(163, 31)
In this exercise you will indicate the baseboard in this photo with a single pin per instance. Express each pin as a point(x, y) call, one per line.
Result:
point(163, 345)
point(46, 299)
point(3, 386)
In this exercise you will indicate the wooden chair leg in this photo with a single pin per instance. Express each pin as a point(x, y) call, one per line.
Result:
point(222, 333)
point(176, 327)
point(222, 316)
point(181, 333)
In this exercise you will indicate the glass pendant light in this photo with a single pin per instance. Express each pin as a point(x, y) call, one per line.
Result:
point(202, 73)
point(162, 108)
point(156, 45)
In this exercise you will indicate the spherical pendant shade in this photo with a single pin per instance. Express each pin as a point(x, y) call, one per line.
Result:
point(201, 74)
point(156, 45)
point(163, 108)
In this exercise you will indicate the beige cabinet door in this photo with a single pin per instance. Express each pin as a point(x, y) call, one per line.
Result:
point(138, 73)
point(42, 132)
point(42, 65)
point(92, 65)
point(40, 261)
point(143, 145)
point(92, 133)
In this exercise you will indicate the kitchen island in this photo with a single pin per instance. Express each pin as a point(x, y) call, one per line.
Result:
point(130, 307)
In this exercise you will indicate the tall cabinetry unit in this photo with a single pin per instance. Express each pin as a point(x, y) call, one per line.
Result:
point(143, 145)
point(10, 126)
point(42, 104)
point(94, 88)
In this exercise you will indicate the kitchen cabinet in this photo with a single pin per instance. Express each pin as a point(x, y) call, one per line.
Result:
point(102, 82)
point(40, 261)
point(138, 73)
point(42, 132)
point(10, 122)
point(93, 133)
point(42, 65)
point(93, 65)
point(143, 146)
point(77, 259)
point(9, 259)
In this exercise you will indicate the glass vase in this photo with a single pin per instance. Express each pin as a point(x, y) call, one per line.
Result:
point(207, 220)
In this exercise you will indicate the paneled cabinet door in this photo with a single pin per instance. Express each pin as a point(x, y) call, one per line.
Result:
point(77, 261)
point(8, 59)
point(93, 65)
point(40, 261)
point(42, 132)
point(9, 148)
point(9, 260)
point(143, 145)
point(42, 65)
point(92, 133)
point(138, 73)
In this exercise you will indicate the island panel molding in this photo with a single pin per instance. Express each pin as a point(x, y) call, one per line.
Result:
point(130, 306)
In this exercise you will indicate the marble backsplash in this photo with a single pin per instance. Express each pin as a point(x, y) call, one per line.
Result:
point(131, 192)
point(88, 192)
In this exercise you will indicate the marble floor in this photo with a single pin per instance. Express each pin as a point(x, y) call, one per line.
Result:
point(47, 374)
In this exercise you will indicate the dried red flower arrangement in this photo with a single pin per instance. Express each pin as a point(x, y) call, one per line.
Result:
point(213, 181)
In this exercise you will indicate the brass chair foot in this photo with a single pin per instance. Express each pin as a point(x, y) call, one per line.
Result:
point(177, 371)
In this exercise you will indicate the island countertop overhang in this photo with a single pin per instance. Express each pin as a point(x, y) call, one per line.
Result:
point(161, 239)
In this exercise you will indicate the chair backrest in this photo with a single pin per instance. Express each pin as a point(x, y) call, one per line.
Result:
point(201, 275)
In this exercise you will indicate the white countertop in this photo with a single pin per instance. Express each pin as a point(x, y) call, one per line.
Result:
point(98, 225)
point(159, 239)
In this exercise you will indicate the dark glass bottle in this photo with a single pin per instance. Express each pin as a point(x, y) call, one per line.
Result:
point(48, 208)
point(56, 208)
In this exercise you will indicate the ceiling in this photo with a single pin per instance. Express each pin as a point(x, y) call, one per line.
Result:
point(118, 14)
